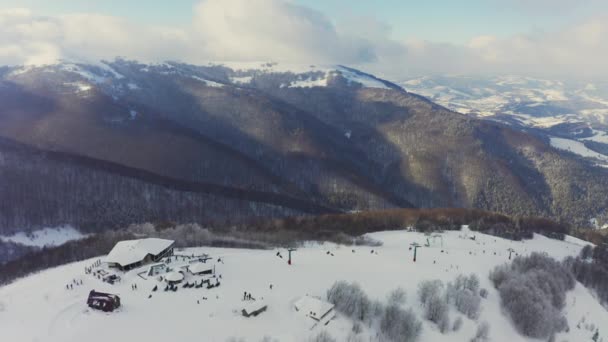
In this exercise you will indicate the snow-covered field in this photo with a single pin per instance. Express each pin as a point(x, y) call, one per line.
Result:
point(45, 237)
point(577, 148)
point(39, 308)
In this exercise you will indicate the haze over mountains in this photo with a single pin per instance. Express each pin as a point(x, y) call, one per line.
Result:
point(572, 110)
point(113, 143)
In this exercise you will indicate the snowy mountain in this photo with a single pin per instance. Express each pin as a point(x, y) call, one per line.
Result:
point(40, 307)
point(577, 111)
point(107, 144)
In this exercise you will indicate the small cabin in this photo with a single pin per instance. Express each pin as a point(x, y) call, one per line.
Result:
point(200, 268)
point(314, 308)
point(254, 308)
point(103, 301)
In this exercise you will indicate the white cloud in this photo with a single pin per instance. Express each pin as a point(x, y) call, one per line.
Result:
point(279, 30)
point(274, 29)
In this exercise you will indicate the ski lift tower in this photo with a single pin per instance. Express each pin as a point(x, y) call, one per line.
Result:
point(434, 238)
point(415, 246)
point(510, 250)
point(289, 250)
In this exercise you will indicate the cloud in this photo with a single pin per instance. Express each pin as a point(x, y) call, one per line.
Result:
point(274, 29)
point(30, 39)
point(547, 7)
point(578, 51)
point(280, 30)
point(221, 30)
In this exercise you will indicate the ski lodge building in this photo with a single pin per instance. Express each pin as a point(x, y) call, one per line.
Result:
point(130, 254)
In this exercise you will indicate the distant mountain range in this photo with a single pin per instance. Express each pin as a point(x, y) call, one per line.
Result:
point(575, 114)
point(112, 143)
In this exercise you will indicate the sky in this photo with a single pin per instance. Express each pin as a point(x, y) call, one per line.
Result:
point(395, 38)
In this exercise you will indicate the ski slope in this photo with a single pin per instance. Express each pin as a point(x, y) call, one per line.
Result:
point(39, 308)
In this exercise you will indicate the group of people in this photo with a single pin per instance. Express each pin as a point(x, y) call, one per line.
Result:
point(89, 270)
point(134, 286)
point(247, 296)
point(76, 282)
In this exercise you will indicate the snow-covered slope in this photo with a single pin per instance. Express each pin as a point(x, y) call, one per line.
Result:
point(39, 308)
point(573, 110)
point(577, 148)
point(527, 99)
point(306, 76)
point(49, 236)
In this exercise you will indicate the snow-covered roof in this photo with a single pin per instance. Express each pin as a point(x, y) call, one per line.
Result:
point(313, 307)
point(131, 251)
point(199, 267)
point(174, 276)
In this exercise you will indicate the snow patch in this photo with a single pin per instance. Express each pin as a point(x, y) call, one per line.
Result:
point(208, 83)
point(577, 148)
point(80, 86)
point(241, 80)
point(601, 137)
point(46, 237)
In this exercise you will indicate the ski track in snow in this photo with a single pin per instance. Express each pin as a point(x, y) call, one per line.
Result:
point(39, 308)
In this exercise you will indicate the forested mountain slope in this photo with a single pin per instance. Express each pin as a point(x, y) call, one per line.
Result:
point(332, 137)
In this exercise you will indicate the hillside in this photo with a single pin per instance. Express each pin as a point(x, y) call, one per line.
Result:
point(60, 314)
point(327, 138)
point(573, 112)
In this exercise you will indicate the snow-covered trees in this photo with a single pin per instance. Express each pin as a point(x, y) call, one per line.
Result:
point(457, 324)
point(349, 299)
point(463, 293)
point(397, 296)
point(482, 334)
point(392, 321)
point(466, 302)
point(435, 303)
point(323, 336)
point(591, 269)
point(398, 324)
point(483, 293)
point(533, 289)
point(428, 289)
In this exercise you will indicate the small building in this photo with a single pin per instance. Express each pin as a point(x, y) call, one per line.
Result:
point(174, 277)
point(157, 269)
point(200, 268)
point(130, 254)
point(103, 301)
point(314, 308)
point(253, 309)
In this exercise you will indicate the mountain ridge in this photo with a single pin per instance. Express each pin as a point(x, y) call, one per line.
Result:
point(338, 138)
